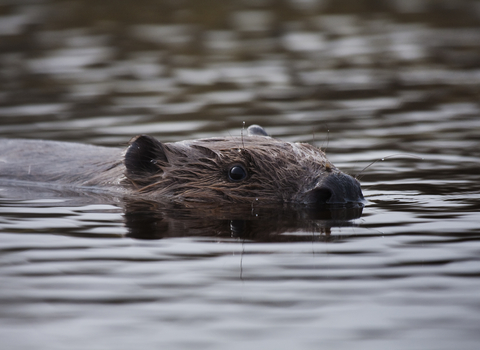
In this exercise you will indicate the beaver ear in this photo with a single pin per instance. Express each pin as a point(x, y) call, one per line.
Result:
point(256, 130)
point(144, 155)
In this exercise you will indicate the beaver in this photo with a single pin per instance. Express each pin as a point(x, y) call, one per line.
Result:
point(250, 169)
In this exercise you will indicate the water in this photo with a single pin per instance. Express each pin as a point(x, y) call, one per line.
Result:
point(371, 80)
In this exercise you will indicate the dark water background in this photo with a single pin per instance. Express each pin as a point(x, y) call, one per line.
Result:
point(364, 79)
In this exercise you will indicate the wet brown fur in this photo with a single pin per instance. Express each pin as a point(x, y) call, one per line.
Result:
point(198, 171)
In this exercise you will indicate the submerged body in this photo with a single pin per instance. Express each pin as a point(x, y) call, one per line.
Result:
point(253, 168)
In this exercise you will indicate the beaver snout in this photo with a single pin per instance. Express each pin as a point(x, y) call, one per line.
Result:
point(337, 188)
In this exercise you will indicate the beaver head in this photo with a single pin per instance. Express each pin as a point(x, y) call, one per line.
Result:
point(251, 169)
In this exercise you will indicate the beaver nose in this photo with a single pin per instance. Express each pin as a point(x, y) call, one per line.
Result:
point(335, 189)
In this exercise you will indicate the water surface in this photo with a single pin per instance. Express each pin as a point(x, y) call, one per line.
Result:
point(393, 81)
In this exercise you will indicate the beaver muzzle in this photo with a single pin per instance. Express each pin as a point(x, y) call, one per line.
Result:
point(337, 188)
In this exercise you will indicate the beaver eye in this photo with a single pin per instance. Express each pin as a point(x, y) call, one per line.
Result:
point(237, 173)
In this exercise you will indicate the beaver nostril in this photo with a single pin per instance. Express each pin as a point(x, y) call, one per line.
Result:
point(319, 196)
point(323, 195)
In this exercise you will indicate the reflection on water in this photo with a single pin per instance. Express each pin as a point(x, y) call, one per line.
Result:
point(146, 221)
point(362, 79)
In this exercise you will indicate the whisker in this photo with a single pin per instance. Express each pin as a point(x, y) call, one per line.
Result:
point(407, 155)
